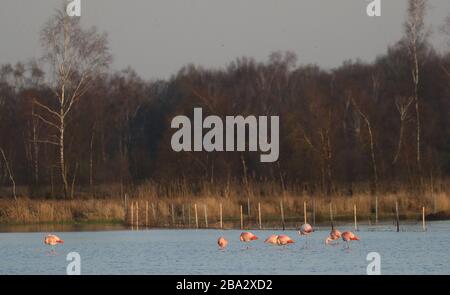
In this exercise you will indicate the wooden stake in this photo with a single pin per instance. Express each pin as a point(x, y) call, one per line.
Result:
point(132, 213)
point(126, 204)
point(423, 219)
point(376, 210)
point(259, 215)
point(137, 215)
point(173, 214)
point(282, 215)
point(206, 215)
point(146, 214)
point(189, 215)
point(331, 216)
point(354, 213)
point(183, 214)
point(220, 215)
point(154, 213)
point(304, 212)
point(397, 216)
point(196, 215)
point(242, 217)
point(314, 212)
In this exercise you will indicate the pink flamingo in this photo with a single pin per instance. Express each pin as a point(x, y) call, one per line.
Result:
point(349, 236)
point(222, 242)
point(283, 240)
point(247, 237)
point(306, 230)
point(271, 240)
point(52, 240)
point(334, 236)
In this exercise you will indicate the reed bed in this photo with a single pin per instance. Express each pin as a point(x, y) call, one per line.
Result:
point(152, 205)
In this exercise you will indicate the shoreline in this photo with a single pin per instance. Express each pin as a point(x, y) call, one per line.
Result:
point(117, 226)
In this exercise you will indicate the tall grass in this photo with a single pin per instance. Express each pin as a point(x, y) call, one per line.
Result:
point(110, 205)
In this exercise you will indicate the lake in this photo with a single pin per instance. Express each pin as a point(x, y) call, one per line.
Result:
point(183, 252)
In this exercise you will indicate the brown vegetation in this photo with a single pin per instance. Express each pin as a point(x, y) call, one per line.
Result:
point(112, 208)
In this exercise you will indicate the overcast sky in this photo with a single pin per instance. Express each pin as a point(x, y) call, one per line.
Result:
point(157, 37)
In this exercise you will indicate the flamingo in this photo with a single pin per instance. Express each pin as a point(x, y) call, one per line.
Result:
point(271, 240)
point(334, 236)
point(283, 240)
point(52, 240)
point(349, 236)
point(247, 237)
point(306, 230)
point(222, 242)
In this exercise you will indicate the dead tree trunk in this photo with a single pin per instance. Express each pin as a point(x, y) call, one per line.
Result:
point(11, 176)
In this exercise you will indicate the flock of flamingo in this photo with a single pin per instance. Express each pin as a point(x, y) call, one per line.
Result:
point(283, 240)
point(247, 237)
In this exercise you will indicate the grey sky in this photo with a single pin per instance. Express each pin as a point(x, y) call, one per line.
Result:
point(157, 37)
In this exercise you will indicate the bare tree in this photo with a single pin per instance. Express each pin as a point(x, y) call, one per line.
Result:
point(11, 176)
point(366, 120)
point(415, 38)
point(75, 57)
point(402, 104)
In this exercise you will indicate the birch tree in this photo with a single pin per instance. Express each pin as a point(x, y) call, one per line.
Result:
point(75, 57)
point(415, 39)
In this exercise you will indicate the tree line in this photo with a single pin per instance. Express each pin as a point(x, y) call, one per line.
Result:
point(67, 121)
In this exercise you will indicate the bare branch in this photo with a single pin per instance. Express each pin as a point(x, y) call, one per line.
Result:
point(47, 122)
point(35, 101)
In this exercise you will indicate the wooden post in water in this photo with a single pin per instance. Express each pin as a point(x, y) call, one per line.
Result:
point(304, 213)
point(220, 216)
point(137, 215)
point(354, 213)
point(126, 204)
point(397, 216)
point(154, 213)
point(376, 210)
point(146, 214)
point(259, 215)
point(183, 214)
point(173, 214)
point(282, 215)
point(132, 213)
point(423, 219)
point(189, 215)
point(331, 216)
point(206, 215)
point(242, 217)
point(196, 215)
point(314, 212)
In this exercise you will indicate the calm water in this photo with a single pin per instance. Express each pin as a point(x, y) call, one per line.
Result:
point(196, 252)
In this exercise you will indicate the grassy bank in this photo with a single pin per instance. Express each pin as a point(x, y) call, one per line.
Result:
point(177, 208)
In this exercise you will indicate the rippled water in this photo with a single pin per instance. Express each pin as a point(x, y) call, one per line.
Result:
point(195, 252)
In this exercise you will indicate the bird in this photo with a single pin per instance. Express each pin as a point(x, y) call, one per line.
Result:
point(334, 236)
point(306, 230)
point(52, 240)
point(349, 236)
point(284, 240)
point(222, 242)
point(247, 237)
point(271, 240)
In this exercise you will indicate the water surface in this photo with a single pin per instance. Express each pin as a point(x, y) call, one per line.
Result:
point(195, 252)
